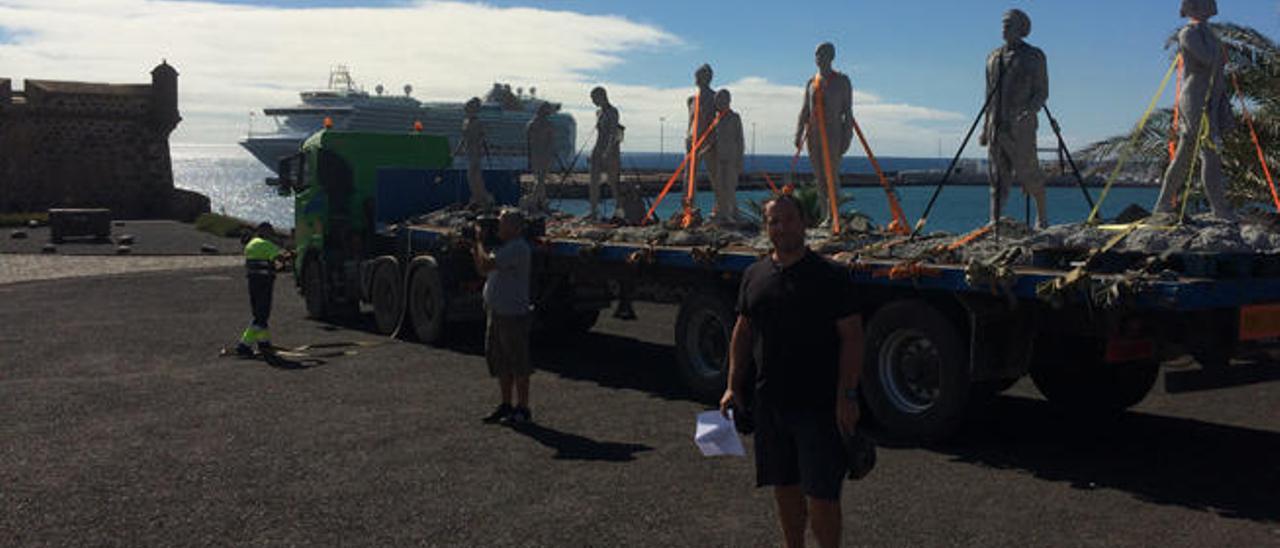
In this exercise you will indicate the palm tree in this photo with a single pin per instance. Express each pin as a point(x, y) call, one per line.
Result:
point(811, 205)
point(1253, 60)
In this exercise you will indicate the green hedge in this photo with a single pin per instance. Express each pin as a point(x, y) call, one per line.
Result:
point(224, 226)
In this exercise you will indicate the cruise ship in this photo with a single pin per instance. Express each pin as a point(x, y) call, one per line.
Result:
point(504, 113)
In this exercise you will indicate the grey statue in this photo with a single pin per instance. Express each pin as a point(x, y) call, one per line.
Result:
point(474, 145)
point(1013, 116)
point(1204, 87)
point(540, 136)
point(606, 160)
point(702, 111)
point(729, 149)
point(827, 110)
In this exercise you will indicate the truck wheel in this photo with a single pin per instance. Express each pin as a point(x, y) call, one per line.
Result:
point(1080, 381)
point(313, 290)
point(916, 377)
point(427, 302)
point(387, 294)
point(704, 327)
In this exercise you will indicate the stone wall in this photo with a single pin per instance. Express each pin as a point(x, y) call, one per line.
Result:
point(73, 144)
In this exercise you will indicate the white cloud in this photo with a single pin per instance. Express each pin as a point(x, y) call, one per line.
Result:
point(237, 59)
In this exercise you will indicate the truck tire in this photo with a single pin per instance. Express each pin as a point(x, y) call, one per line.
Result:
point(1077, 379)
point(313, 290)
point(915, 379)
point(386, 290)
point(704, 327)
point(427, 303)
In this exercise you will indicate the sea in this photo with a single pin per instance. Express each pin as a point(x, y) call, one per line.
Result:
point(234, 182)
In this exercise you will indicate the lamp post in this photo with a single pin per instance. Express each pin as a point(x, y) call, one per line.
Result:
point(662, 130)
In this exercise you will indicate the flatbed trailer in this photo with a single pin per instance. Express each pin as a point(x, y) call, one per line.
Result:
point(940, 338)
point(938, 341)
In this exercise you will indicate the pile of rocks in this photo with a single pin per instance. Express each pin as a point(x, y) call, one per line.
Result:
point(1198, 234)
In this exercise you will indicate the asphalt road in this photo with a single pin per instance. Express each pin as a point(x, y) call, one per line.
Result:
point(122, 427)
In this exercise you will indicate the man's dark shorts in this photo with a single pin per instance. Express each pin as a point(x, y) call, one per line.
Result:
point(799, 447)
point(506, 345)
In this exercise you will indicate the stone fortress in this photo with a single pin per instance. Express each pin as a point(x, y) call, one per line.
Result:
point(93, 145)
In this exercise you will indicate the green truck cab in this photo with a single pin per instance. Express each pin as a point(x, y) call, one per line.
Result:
point(351, 191)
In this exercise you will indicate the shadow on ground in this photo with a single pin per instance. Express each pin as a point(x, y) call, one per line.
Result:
point(574, 447)
point(1229, 471)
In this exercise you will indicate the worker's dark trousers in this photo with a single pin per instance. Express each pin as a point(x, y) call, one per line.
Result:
point(261, 286)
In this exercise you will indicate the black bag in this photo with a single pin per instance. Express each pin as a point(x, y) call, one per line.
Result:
point(744, 420)
point(861, 453)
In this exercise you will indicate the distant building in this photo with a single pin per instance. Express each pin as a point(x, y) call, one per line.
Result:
point(76, 144)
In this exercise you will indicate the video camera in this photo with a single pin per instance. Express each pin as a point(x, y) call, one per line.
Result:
point(487, 231)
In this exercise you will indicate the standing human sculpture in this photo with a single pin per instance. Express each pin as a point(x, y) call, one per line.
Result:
point(1018, 76)
point(702, 112)
point(540, 136)
point(729, 149)
point(1204, 99)
point(606, 161)
point(826, 123)
point(474, 146)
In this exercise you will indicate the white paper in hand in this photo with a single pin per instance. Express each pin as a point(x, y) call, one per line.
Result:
point(716, 436)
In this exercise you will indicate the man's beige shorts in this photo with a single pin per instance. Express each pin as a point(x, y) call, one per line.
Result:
point(506, 345)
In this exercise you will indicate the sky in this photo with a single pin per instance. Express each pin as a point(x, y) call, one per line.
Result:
point(916, 65)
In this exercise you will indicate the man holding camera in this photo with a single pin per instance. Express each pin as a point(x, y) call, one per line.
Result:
point(506, 302)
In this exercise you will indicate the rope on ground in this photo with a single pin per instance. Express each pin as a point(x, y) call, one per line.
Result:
point(1133, 141)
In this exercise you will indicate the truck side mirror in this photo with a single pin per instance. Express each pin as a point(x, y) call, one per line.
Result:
point(284, 176)
point(292, 178)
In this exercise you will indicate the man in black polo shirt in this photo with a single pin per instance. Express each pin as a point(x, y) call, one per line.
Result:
point(801, 314)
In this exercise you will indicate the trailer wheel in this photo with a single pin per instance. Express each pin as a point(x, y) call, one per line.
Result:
point(387, 293)
point(313, 290)
point(1078, 379)
point(427, 302)
point(915, 378)
point(704, 327)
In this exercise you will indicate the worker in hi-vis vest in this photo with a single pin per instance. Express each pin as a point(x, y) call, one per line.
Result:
point(261, 259)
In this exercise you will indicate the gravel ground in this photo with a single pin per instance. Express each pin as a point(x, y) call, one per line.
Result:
point(122, 428)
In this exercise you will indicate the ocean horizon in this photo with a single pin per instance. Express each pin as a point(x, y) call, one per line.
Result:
point(234, 182)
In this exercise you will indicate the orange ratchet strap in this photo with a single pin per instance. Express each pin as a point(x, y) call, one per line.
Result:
point(826, 153)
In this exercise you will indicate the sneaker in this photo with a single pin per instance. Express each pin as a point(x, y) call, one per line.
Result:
point(519, 415)
point(244, 351)
point(501, 414)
